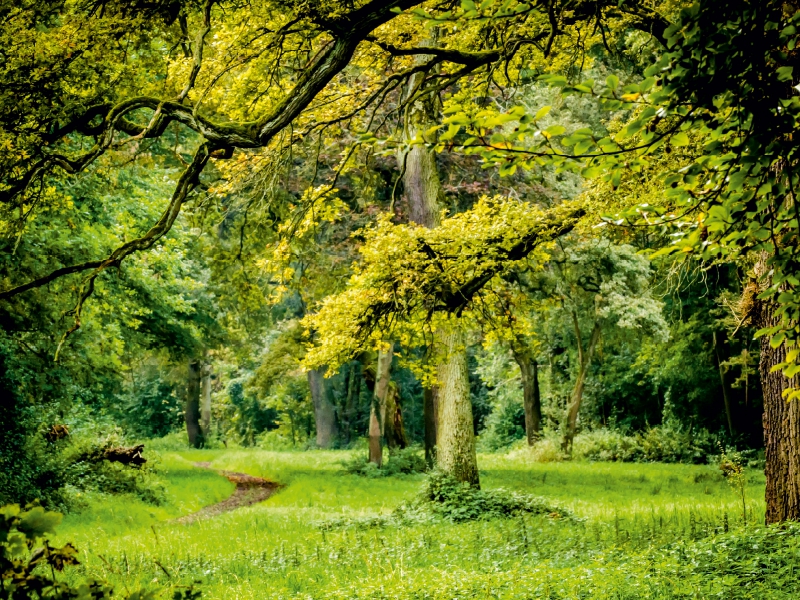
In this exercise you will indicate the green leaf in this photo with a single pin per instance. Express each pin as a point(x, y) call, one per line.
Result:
point(612, 81)
point(679, 139)
point(542, 112)
point(37, 522)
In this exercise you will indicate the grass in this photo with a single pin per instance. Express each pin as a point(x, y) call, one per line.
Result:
point(648, 531)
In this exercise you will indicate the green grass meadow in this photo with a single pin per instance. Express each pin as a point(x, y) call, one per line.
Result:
point(645, 531)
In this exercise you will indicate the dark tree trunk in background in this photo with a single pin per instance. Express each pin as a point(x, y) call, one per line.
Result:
point(377, 413)
point(191, 412)
point(430, 415)
point(781, 430)
point(529, 371)
point(324, 411)
point(394, 431)
point(205, 405)
point(722, 354)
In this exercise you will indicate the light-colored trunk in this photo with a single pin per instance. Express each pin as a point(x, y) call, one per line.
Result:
point(324, 411)
point(191, 412)
point(456, 448)
point(576, 398)
point(205, 406)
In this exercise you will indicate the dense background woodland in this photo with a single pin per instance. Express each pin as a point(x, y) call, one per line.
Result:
point(497, 298)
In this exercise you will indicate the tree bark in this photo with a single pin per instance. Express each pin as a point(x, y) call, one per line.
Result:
point(584, 360)
point(205, 407)
point(721, 355)
point(430, 416)
point(394, 431)
point(456, 449)
point(781, 429)
point(324, 411)
point(377, 414)
point(529, 371)
point(191, 411)
point(423, 194)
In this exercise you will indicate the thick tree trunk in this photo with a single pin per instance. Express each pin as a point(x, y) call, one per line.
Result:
point(456, 448)
point(324, 411)
point(721, 355)
point(205, 406)
point(191, 411)
point(424, 196)
point(584, 360)
point(781, 430)
point(529, 371)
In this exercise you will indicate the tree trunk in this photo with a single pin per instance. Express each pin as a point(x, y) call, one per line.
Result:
point(377, 413)
point(205, 407)
point(584, 360)
point(781, 430)
point(456, 449)
point(529, 370)
point(394, 432)
point(721, 355)
point(324, 412)
point(423, 194)
point(430, 416)
point(191, 412)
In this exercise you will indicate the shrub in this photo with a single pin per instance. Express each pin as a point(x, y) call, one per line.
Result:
point(444, 498)
point(663, 443)
point(456, 501)
point(401, 462)
point(28, 562)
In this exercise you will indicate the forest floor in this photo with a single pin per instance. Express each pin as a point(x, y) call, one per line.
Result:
point(645, 531)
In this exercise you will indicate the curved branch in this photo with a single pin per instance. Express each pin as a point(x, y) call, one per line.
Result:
point(186, 183)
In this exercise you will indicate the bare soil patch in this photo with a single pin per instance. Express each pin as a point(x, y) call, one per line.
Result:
point(249, 490)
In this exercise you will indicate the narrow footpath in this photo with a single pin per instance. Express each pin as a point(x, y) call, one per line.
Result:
point(249, 490)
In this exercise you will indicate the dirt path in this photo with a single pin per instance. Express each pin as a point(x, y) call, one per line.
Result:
point(249, 490)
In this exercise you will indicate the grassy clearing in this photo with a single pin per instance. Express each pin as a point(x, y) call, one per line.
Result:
point(649, 530)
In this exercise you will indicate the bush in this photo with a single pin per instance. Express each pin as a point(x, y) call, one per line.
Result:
point(85, 468)
point(28, 562)
point(401, 462)
point(457, 502)
point(663, 443)
point(444, 498)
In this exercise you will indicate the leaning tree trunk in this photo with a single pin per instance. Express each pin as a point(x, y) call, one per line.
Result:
point(456, 448)
point(324, 411)
point(191, 412)
point(205, 406)
point(529, 371)
point(781, 429)
point(584, 360)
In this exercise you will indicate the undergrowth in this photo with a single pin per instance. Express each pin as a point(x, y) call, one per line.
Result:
point(407, 461)
point(443, 498)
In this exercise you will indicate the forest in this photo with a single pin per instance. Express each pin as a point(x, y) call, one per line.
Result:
point(399, 299)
